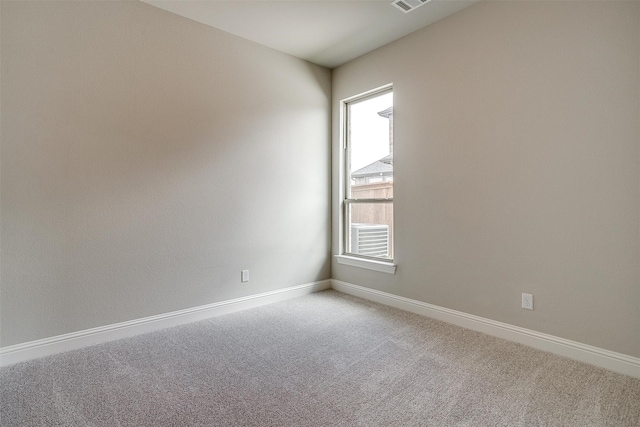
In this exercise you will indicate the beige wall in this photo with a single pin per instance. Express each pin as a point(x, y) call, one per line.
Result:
point(516, 166)
point(146, 160)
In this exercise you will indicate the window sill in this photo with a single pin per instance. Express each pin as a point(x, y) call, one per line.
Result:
point(369, 264)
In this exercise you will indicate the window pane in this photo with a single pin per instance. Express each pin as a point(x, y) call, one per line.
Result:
point(370, 229)
point(373, 190)
point(370, 142)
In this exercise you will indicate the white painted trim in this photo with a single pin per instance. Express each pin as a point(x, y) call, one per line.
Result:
point(369, 264)
point(75, 340)
point(613, 361)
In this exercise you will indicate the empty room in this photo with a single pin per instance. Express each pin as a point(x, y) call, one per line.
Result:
point(319, 213)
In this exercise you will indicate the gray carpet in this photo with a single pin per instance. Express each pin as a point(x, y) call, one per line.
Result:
point(325, 359)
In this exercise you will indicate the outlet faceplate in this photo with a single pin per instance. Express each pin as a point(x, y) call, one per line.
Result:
point(527, 301)
point(244, 276)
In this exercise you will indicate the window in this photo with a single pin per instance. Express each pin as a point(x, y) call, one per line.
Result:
point(368, 163)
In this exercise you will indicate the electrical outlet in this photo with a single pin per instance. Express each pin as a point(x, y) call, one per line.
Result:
point(527, 301)
point(244, 276)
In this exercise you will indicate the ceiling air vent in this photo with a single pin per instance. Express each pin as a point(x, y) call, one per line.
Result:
point(409, 5)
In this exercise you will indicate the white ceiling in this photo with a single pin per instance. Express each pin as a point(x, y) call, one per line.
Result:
point(325, 32)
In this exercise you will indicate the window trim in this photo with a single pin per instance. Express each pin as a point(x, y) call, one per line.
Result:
point(345, 257)
point(367, 263)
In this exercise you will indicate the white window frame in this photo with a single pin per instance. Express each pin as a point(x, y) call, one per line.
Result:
point(346, 258)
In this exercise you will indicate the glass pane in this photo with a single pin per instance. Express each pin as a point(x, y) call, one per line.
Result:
point(370, 142)
point(370, 229)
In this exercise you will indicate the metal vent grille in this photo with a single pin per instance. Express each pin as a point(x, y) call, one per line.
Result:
point(407, 6)
point(370, 240)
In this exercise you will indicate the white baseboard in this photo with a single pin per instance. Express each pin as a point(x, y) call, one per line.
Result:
point(610, 360)
point(61, 343)
point(613, 361)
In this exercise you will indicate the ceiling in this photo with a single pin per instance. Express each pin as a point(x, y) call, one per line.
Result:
point(325, 32)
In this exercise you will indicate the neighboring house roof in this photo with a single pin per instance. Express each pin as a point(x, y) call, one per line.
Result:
point(386, 113)
point(384, 166)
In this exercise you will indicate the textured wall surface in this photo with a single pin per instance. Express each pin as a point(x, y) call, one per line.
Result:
point(517, 134)
point(146, 160)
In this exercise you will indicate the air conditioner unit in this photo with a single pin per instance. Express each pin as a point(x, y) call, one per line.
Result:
point(370, 240)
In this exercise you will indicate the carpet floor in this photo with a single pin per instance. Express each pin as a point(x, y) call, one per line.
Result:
point(326, 359)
